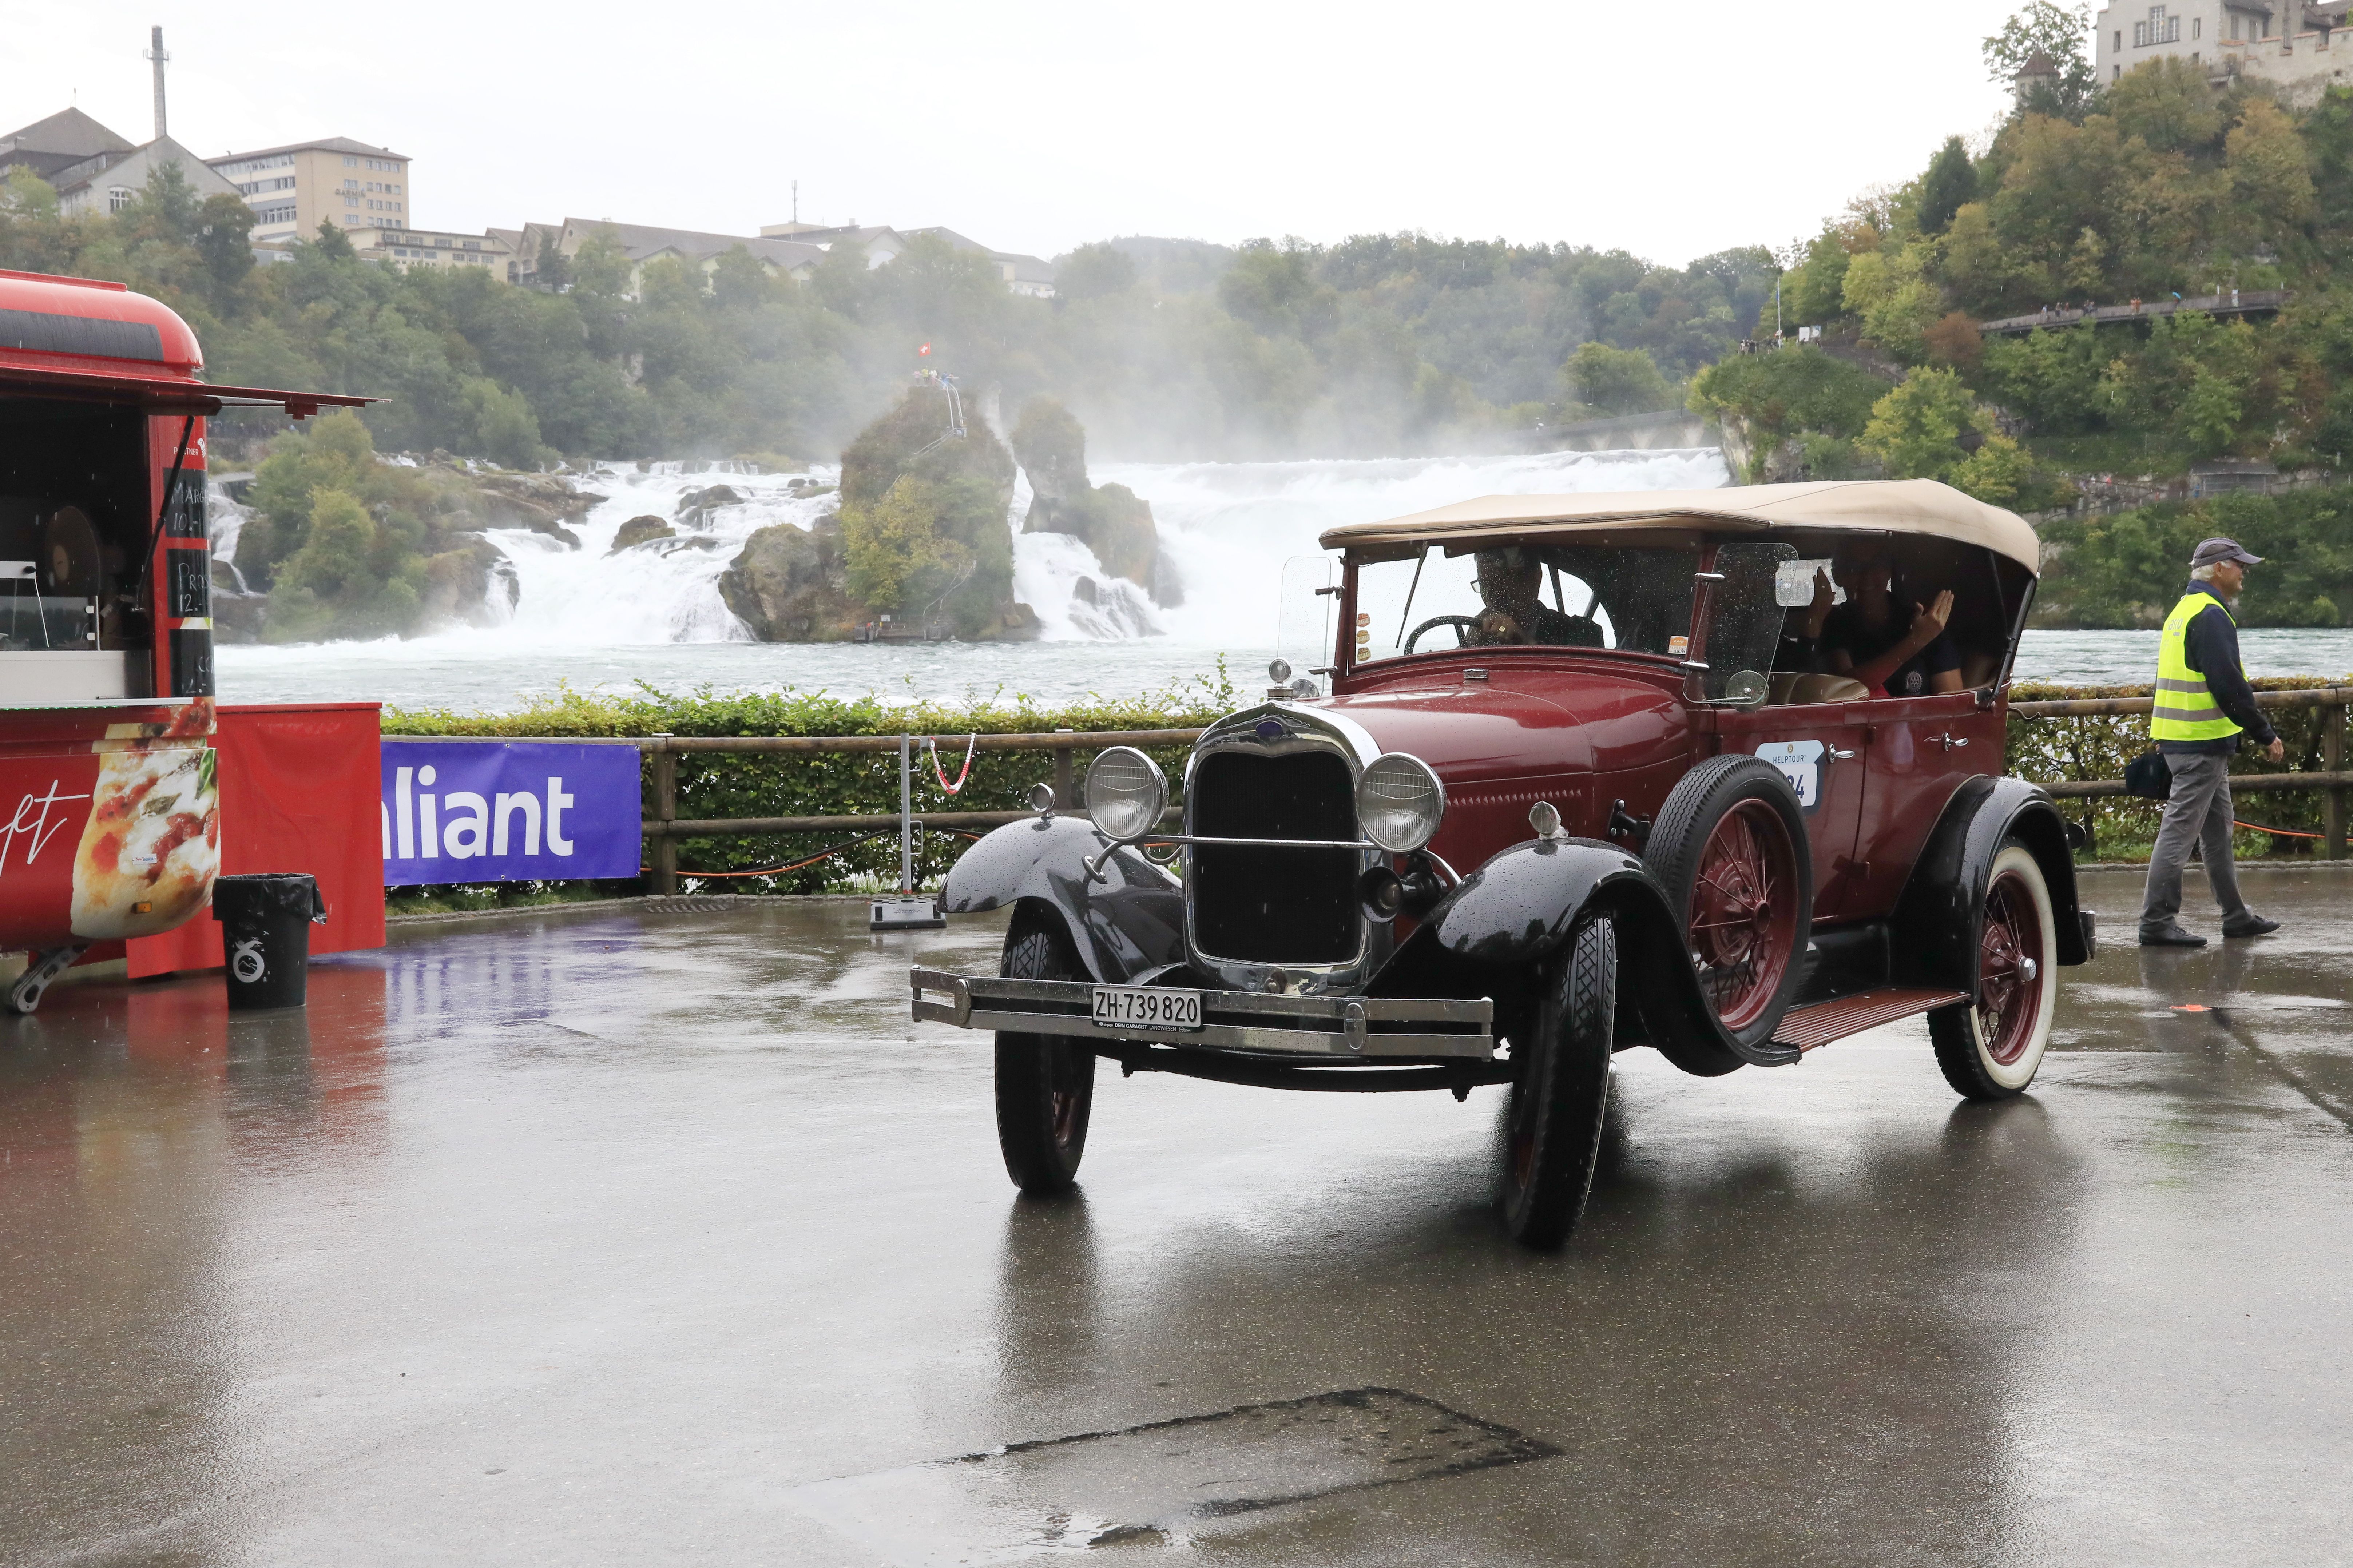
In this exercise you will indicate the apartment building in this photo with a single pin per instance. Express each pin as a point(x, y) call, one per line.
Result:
point(405, 249)
point(295, 188)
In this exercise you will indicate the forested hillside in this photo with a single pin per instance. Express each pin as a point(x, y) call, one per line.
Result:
point(2156, 187)
point(2153, 187)
point(1381, 345)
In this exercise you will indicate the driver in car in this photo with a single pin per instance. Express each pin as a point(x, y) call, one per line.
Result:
point(1511, 582)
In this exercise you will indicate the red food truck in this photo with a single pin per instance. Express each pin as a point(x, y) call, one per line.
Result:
point(108, 788)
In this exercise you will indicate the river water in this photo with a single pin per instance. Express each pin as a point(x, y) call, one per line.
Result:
point(594, 620)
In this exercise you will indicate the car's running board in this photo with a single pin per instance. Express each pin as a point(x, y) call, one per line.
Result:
point(1807, 1028)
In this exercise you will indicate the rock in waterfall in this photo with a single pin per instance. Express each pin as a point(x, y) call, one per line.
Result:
point(1110, 520)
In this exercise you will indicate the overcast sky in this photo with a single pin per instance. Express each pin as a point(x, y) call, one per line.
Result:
point(1669, 130)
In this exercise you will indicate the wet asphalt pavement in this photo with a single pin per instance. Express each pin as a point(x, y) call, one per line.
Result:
point(663, 1237)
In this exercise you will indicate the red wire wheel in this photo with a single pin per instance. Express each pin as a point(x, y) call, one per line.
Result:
point(1729, 852)
point(1991, 1048)
point(2009, 955)
point(1743, 916)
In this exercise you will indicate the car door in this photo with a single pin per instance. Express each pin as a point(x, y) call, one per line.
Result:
point(1920, 749)
point(1824, 756)
point(1814, 744)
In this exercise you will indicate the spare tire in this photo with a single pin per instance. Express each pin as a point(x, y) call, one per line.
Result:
point(1729, 847)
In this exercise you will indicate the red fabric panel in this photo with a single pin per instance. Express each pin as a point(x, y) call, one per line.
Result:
point(299, 787)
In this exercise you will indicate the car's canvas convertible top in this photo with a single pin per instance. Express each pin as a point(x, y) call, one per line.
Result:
point(1883, 506)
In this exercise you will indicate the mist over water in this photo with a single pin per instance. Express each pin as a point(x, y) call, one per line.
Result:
point(595, 620)
point(598, 620)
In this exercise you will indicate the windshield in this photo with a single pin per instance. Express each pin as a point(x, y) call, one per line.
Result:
point(1541, 596)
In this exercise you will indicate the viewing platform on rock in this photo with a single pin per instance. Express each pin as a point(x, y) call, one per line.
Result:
point(2235, 302)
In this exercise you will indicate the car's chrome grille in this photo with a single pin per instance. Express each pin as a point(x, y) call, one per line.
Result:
point(1274, 906)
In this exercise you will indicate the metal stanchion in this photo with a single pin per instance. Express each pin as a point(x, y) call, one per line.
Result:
point(910, 910)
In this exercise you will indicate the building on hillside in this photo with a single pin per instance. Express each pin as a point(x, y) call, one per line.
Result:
point(1023, 274)
point(1029, 275)
point(881, 246)
point(406, 249)
point(64, 139)
point(2298, 46)
point(642, 246)
point(295, 188)
point(108, 182)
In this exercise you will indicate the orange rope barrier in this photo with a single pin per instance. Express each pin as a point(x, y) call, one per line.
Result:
point(2281, 831)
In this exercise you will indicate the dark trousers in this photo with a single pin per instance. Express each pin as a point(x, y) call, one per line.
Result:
point(2197, 812)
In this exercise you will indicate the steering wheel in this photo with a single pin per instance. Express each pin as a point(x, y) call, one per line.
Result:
point(1464, 626)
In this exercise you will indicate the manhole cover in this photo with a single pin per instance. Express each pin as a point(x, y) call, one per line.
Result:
point(1155, 1482)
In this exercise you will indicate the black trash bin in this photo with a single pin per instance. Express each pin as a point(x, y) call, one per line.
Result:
point(266, 920)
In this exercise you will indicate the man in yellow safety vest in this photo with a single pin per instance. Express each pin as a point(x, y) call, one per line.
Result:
point(2203, 705)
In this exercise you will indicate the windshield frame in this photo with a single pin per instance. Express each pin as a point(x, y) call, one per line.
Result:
point(1697, 543)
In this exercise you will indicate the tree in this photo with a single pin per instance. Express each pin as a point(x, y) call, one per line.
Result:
point(2270, 173)
point(1951, 179)
point(2167, 103)
point(1890, 292)
point(1930, 427)
point(1274, 290)
point(1092, 271)
point(334, 556)
point(1616, 381)
point(223, 231)
point(2057, 33)
point(34, 237)
point(505, 430)
point(553, 269)
point(741, 282)
point(333, 243)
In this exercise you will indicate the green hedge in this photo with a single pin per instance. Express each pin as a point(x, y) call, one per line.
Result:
point(2051, 750)
point(721, 786)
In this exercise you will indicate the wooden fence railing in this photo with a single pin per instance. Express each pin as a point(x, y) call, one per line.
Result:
point(2331, 777)
point(664, 827)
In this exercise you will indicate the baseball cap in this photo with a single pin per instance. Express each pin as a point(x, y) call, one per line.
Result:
point(2214, 550)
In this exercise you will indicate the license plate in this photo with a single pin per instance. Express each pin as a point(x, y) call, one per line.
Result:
point(1144, 1007)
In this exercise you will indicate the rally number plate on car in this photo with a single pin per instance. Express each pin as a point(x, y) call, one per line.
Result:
point(1141, 1007)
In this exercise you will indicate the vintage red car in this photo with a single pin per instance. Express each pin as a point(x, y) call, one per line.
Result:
point(109, 798)
point(1717, 772)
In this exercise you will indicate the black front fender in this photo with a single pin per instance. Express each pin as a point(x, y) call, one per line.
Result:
point(1126, 921)
point(1939, 920)
point(1514, 914)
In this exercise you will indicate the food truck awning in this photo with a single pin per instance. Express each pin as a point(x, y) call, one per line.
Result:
point(169, 394)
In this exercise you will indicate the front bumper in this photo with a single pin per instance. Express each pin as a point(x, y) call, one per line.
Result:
point(1344, 1029)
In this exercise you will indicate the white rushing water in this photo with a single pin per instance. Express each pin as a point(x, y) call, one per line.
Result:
point(594, 620)
point(598, 620)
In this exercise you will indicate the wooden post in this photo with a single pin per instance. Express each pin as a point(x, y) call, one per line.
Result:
point(665, 811)
point(2332, 810)
point(1066, 789)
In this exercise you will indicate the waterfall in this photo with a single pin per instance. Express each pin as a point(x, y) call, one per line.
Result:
point(666, 591)
point(1225, 530)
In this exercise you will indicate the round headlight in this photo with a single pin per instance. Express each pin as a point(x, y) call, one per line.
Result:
point(1126, 793)
point(1400, 802)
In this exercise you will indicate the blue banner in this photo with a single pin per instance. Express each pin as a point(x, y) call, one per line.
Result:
point(508, 811)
